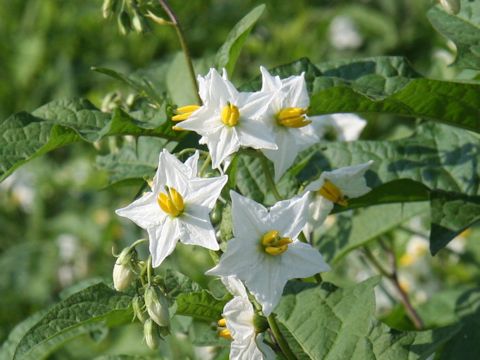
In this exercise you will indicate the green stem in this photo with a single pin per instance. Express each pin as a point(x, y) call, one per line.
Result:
point(181, 38)
point(270, 181)
point(279, 338)
point(207, 161)
point(149, 270)
point(138, 242)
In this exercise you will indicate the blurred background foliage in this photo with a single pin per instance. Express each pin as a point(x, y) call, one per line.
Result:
point(57, 225)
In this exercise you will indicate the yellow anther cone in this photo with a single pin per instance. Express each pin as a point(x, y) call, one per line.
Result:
point(184, 112)
point(230, 115)
point(225, 333)
point(331, 192)
point(171, 202)
point(293, 117)
point(270, 237)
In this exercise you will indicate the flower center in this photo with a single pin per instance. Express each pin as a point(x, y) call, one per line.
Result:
point(184, 112)
point(292, 117)
point(222, 329)
point(331, 192)
point(230, 115)
point(273, 244)
point(171, 202)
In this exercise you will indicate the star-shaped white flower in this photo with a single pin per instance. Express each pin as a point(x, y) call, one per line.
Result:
point(340, 127)
point(334, 187)
point(239, 316)
point(177, 207)
point(228, 119)
point(265, 252)
point(286, 114)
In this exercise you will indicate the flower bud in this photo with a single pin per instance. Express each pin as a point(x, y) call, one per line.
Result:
point(124, 23)
point(122, 271)
point(137, 305)
point(108, 7)
point(157, 306)
point(150, 333)
point(451, 6)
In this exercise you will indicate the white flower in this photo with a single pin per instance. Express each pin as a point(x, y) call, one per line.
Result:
point(265, 252)
point(343, 33)
point(238, 317)
point(334, 187)
point(286, 114)
point(228, 119)
point(177, 208)
point(341, 127)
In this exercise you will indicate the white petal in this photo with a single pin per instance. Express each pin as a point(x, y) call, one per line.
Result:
point(302, 260)
point(350, 180)
point(250, 219)
point(144, 211)
point(222, 144)
point(267, 351)
point(318, 210)
point(171, 172)
point(246, 350)
point(234, 286)
point(205, 191)
point(197, 229)
point(266, 283)
point(191, 163)
point(239, 315)
point(204, 121)
point(163, 239)
point(289, 216)
point(294, 92)
point(255, 134)
point(349, 126)
point(269, 82)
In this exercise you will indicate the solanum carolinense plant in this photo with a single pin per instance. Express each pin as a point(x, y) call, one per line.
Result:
point(270, 179)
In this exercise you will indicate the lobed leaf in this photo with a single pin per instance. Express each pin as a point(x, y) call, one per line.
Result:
point(200, 305)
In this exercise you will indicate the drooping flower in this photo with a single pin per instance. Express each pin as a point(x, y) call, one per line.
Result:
point(334, 187)
point(338, 127)
point(265, 252)
point(286, 114)
point(238, 325)
point(177, 207)
point(228, 119)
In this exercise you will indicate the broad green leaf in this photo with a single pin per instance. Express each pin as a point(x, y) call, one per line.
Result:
point(175, 283)
point(228, 54)
point(202, 333)
point(351, 231)
point(325, 322)
point(465, 344)
point(200, 305)
point(25, 136)
point(452, 213)
point(463, 29)
point(88, 310)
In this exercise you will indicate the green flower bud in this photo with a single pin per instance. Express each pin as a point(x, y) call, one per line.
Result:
point(137, 305)
point(137, 21)
point(124, 23)
point(108, 7)
point(150, 332)
point(157, 306)
point(451, 6)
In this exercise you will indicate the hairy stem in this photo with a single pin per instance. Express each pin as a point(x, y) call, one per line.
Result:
point(181, 38)
point(279, 338)
point(393, 277)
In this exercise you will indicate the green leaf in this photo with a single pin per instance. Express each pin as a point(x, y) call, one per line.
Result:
point(452, 213)
point(90, 309)
point(62, 122)
point(175, 283)
point(352, 231)
point(325, 322)
point(228, 54)
point(200, 305)
point(463, 29)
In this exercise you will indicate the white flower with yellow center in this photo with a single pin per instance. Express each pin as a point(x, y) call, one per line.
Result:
point(177, 207)
point(286, 114)
point(238, 325)
point(265, 252)
point(338, 127)
point(334, 187)
point(228, 119)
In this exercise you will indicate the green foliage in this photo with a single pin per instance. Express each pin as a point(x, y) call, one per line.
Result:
point(325, 322)
point(463, 29)
point(89, 310)
point(200, 305)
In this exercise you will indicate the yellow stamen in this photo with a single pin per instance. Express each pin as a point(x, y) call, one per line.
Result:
point(273, 244)
point(171, 202)
point(331, 192)
point(178, 128)
point(225, 333)
point(222, 322)
point(230, 115)
point(293, 117)
point(184, 112)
